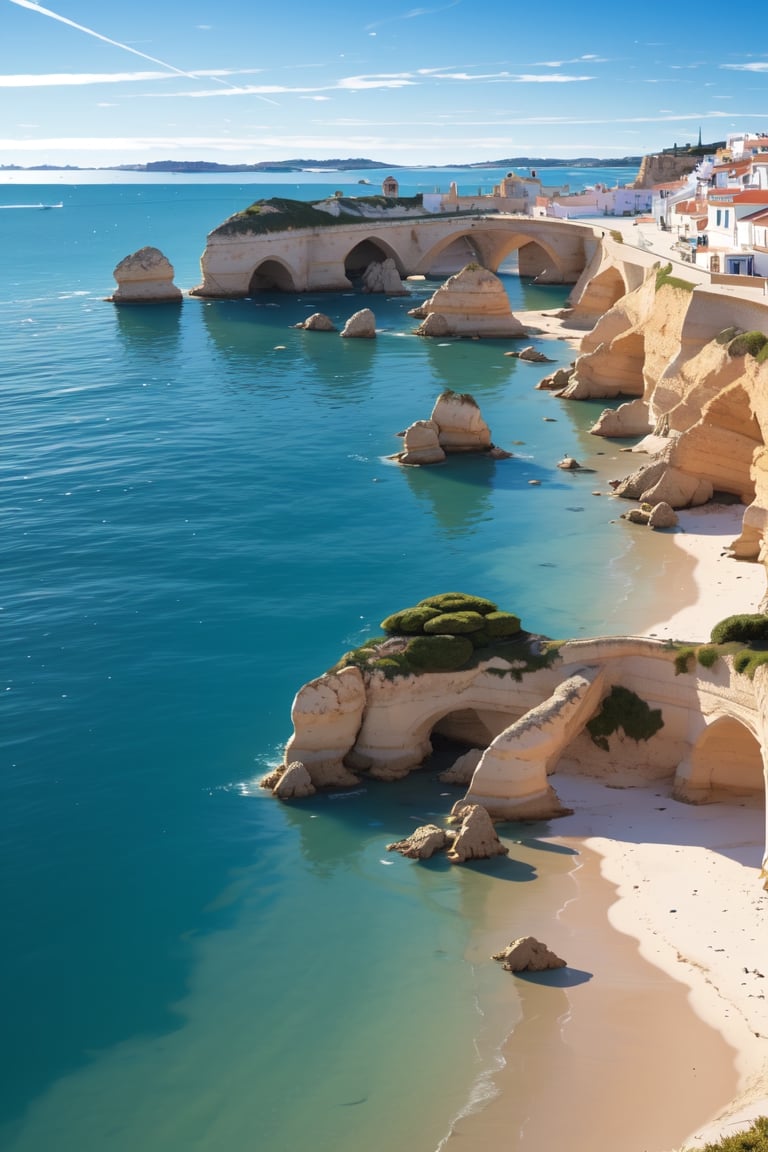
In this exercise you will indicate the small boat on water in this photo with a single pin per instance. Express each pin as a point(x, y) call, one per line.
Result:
point(36, 206)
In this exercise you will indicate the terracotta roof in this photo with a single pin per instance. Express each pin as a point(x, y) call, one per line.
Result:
point(734, 196)
point(691, 208)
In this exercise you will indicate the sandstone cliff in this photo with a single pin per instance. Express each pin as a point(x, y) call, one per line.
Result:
point(669, 346)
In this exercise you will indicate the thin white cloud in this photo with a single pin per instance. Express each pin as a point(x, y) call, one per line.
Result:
point(35, 7)
point(590, 58)
point(412, 14)
point(67, 79)
point(757, 66)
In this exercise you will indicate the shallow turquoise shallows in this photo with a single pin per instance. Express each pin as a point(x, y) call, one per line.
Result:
point(198, 515)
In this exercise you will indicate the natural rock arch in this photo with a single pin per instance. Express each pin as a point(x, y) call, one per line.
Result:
point(475, 727)
point(725, 758)
point(602, 292)
point(271, 276)
point(369, 251)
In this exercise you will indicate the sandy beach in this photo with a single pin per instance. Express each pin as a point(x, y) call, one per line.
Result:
point(660, 1039)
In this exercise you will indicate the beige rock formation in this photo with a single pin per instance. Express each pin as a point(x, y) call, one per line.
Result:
point(294, 784)
point(462, 769)
point(361, 324)
point(326, 716)
point(476, 838)
point(663, 515)
point(145, 277)
point(527, 954)
point(456, 425)
point(461, 425)
point(473, 302)
point(383, 276)
point(660, 515)
point(421, 444)
point(628, 420)
point(421, 844)
point(663, 481)
point(557, 381)
point(317, 322)
point(532, 354)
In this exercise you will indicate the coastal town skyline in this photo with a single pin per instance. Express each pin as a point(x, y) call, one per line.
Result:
point(93, 87)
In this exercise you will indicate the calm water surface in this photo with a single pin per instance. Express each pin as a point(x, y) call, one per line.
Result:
point(195, 522)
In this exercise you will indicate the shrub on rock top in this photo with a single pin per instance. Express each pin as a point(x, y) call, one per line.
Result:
point(459, 602)
point(409, 622)
point(454, 623)
point(749, 628)
point(439, 653)
point(501, 624)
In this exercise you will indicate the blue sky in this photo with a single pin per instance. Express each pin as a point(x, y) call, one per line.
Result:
point(94, 84)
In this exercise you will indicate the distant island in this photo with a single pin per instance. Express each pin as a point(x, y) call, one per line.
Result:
point(355, 164)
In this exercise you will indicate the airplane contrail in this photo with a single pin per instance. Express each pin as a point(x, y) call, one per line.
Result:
point(33, 7)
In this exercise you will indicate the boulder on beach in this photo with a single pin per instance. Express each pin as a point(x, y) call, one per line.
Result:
point(527, 954)
point(476, 838)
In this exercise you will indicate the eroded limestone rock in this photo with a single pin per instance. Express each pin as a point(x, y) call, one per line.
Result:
point(476, 838)
point(463, 769)
point(383, 276)
point(473, 302)
point(456, 425)
point(532, 354)
point(421, 444)
point(422, 843)
point(527, 954)
point(663, 515)
point(361, 324)
point(630, 419)
point(294, 783)
point(145, 277)
point(317, 322)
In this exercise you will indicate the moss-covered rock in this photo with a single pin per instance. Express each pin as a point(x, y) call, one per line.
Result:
point(410, 621)
point(439, 653)
point(453, 624)
point(749, 628)
point(747, 344)
point(501, 624)
point(459, 602)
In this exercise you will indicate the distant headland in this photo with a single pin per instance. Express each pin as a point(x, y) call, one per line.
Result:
point(355, 164)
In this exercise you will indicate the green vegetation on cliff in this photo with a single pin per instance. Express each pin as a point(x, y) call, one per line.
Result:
point(622, 709)
point(752, 1139)
point(750, 629)
point(664, 277)
point(280, 214)
point(749, 344)
point(446, 633)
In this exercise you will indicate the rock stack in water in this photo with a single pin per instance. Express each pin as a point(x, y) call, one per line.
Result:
point(474, 302)
point(145, 277)
point(455, 425)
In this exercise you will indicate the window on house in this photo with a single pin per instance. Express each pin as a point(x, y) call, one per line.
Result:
point(718, 218)
point(727, 217)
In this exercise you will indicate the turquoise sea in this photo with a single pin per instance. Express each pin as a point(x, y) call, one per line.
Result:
point(198, 516)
